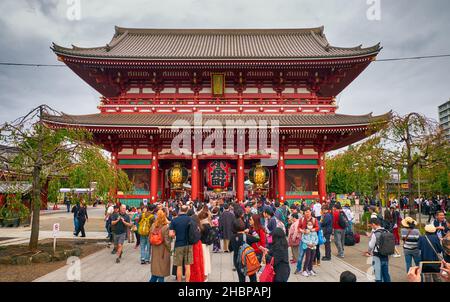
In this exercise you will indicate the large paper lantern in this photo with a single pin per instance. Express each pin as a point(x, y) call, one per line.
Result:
point(178, 176)
point(258, 175)
point(219, 175)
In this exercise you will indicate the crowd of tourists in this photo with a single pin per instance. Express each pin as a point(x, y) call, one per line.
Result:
point(176, 237)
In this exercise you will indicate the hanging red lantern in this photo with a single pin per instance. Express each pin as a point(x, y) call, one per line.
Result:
point(219, 175)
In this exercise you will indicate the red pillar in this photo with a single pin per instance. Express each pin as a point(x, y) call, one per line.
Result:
point(281, 178)
point(201, 182)
point(163, 184)
point(194, 178)
point(154, 178)
point(322, 177)
point(240, 186)
point(115, 162)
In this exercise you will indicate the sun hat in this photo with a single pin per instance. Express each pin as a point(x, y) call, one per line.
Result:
point(429, 228)
point(408, 222)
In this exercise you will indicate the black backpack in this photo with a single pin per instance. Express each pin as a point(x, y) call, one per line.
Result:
point(343, 220)
point(349, 239)
point(385, 243)
point(193, 232)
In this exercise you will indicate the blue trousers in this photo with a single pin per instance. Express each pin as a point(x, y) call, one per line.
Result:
point(381, 268)
point(409, 256)
point(76, 224)
point(145, 248)
point(156, 279)
point(301, 255)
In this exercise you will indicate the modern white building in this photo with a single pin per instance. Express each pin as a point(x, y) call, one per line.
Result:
point(444, 118)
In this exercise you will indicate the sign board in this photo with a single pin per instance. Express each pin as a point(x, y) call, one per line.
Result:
point(145, 201)
point(55, 230)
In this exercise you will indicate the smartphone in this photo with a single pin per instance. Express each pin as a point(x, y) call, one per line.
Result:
point(430, 267)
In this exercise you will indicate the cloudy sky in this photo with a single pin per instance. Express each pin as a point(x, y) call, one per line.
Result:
point(406, 28)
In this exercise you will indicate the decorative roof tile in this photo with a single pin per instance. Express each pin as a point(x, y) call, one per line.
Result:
point(154, 120)
point(204, 44)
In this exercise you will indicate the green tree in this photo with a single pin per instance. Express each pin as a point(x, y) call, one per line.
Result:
point(42, 153)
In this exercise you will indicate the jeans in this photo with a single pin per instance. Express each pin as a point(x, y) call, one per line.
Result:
point(339, 237)
point(327, 246)
point(75, 224)
point(145, 248)
point(409, 256)
point(381, 269)
point(301, 255)
point(310, 255)
point(80, 228)
point(156, 279)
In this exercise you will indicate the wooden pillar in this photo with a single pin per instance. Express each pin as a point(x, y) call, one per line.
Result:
point(154, 177)
point(240, 178)
point(194, 178)
point(115, 163)
point(281, 178)
point(201, 184)
point(163, 184)
point(44, 195)
point(322, 177)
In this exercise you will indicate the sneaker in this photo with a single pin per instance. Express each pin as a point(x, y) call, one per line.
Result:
point(318, 263)
point(142, 261)
point(117, 260)
point(312, 273)
point(297, 272)
point(113, 251)
point(147, 262)
point(326, 259)
point(305, 274)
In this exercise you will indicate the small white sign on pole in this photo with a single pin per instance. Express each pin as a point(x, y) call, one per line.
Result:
point(55, 234)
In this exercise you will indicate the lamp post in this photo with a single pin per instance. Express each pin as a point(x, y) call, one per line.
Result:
point(418, 192)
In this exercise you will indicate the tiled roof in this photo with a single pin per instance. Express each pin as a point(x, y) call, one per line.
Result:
point(15, 187)
point(173, 44)
point(154, 120)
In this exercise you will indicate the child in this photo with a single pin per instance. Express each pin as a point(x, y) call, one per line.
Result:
point(309, 243)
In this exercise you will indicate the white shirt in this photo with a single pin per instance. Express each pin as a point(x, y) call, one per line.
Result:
point(317, 208)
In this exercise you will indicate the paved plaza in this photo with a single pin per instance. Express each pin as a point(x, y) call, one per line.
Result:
point(101, 265)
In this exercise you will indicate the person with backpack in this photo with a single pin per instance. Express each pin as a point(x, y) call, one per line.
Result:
point(245, 260)
point(179, 229)
point(410, 237)
point(160, 242)
point(429, 245)
point(340, 223)
point(207, 238)
point(279, 254)
point(257, 230)
point(135, 228)
point(145, 223)
point(381, 246)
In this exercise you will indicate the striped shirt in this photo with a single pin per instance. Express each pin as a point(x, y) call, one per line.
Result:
point(410, 243)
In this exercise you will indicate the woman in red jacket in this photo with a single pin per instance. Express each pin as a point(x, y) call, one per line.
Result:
point(257, 230)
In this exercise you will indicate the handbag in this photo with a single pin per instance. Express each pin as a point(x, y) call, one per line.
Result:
point(268, 274)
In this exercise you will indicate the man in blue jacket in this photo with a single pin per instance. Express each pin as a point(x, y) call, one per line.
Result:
point(326, 223)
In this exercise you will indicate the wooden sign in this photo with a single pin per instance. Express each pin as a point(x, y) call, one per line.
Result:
point(218, 84)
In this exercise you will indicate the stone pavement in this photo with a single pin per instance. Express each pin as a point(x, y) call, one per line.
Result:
point(101, 267)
